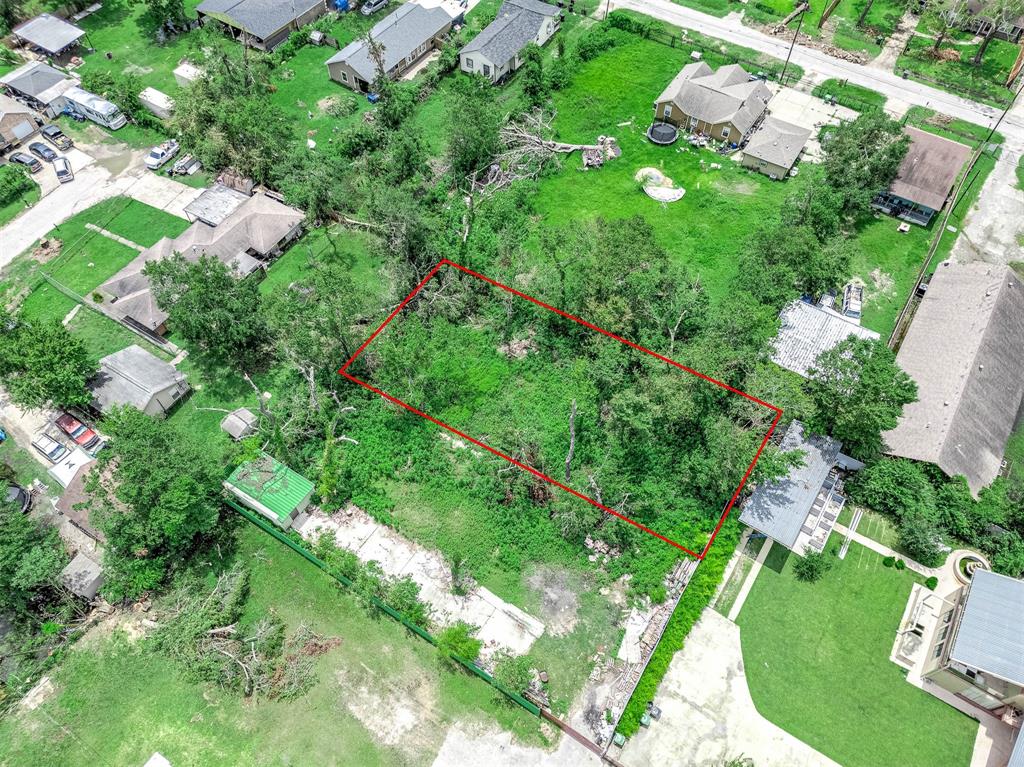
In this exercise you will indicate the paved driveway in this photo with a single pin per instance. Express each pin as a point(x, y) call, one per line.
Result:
point(708, 715)
point(93, 183)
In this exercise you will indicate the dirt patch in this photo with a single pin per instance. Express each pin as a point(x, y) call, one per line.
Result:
point(560, 601)
point(878, 285)
point(401, 717)
point(738, 186)
point(109, 153)
point(47, 250)
point(519, 348)
point(38, 695)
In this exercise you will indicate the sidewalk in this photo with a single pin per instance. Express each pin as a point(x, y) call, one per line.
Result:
point(748, 584)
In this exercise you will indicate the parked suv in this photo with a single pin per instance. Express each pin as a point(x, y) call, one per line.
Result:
point(27, 160)
point(49, 447)
point(78, 431)
point(42, 151)
point(372, 6)
point(56, 136)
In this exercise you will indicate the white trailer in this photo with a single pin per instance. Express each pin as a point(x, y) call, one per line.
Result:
point(97, 109)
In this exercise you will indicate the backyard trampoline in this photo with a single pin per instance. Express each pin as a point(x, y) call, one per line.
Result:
point(662, 133)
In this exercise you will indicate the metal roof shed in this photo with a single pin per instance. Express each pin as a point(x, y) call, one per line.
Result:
point(990, 637)
point(49, 33)
point(240, 423)
point(269, 487)
point(82, 576)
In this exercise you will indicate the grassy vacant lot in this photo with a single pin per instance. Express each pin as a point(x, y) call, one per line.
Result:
point(850, 95)
point(18, 204)
point(982, 82)
point(817, 660)
point(381, 696)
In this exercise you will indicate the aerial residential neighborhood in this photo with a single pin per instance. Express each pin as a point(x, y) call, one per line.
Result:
point(512, 382)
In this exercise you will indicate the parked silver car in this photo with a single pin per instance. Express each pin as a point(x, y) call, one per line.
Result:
point(49, 447)
point(62, 168)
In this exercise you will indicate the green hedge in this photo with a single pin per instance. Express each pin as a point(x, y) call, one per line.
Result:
point(697, 596)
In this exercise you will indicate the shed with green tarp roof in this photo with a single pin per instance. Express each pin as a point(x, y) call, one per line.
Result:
point(269, 487)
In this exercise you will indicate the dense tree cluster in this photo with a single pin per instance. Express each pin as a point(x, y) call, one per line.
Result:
point(42, 363)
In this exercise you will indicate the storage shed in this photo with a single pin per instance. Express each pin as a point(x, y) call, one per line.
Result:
point(82, 576)
point(49, 34)
point(240, 423)
point(270, 488)
point(157, 102)
point(186, 73)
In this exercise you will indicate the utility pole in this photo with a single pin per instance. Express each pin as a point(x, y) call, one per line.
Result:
point(792, 44)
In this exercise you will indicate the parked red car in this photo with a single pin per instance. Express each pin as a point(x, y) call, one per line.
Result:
point(78, 431)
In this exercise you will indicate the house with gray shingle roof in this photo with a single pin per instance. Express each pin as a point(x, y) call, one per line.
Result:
point(725, 104)
point(261, 24)
point(406, 36)
point(775, 147)
point(964, 350)
point(497, 51)
point(799, 510)
point(40, 85)
point(134, 377)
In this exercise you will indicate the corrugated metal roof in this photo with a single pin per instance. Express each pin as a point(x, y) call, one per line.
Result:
point(1017, 757)
point(990, 637)
point(272, 484)
point(778, 509)
point(806, 331)
point(49, 33)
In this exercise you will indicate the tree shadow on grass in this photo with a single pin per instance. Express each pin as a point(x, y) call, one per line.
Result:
point(777, 558)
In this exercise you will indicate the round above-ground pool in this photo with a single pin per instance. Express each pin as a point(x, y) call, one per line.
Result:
point(662, 133)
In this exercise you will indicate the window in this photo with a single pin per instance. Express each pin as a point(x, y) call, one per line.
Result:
point(693, 122)
point(487, 70)
point(725, 133)
point(938, 651)
point(469, 63)
point(668, 111)
point(344, 77)
point(943, 633)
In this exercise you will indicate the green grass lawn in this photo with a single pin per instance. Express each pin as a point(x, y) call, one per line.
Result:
point(881, 21)
point(817, 662)
point(118, 702)
point(9, 211)
point(873, 525)
point(26, 467)
point(713, 7)
point(850, 95)
point(983, 82)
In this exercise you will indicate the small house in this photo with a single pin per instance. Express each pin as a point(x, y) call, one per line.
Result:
point(50, 35)
point(800, 510)
point(407, 35)
point(239, 423)
point(18, 124)
point(924, 179)
point(270, 488)
point(974, 17)
point(40, 85)
point(83, 576)
point(258, 23)
point(497, 51)
point(807, 330)
point(775, 147)
point(137, 378)
point(725, 104)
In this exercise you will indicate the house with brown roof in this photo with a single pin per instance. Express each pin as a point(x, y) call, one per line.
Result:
point(925, 178)
point(725, 104)
point(17, 123)
point(964, 349)
point(250, 232)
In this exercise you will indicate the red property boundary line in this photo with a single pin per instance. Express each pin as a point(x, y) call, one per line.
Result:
point(447, 262)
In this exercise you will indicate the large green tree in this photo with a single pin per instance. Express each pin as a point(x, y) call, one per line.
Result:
point(31, 558)
point(157, 497)
point(210, 307)
point(859, 391)
point(862, 158)
point(473, 127)
point(41, 363)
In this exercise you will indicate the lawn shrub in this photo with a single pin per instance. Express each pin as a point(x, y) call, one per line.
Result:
point(457, 640)
point(889, 561)
point(812, 566)
point(901, 565)
point(931, 582)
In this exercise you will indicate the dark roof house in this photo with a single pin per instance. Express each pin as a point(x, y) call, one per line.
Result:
point(964, 349)
point(925, 177)
point(49, 34)
point(137, 378)
point(262, 24)
point(495, 52)
point(799, 510)
point(406, 35)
